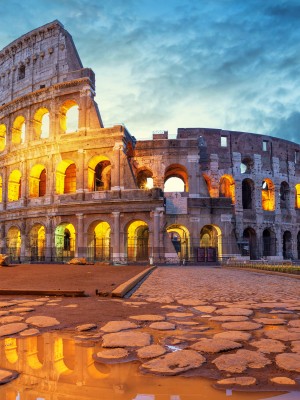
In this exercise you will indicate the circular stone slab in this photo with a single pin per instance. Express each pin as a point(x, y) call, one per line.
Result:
point(269, 346)
point(205, 309)
point(179, 315)
point(229, 318)
point(281, 334)
point(7, 376)
point(32, 304)
point(235, 311)
point(13, 328)
point(126, 339)
point(3, 313)
point(30, 332)
point(162, 326)
point(117, 326)
point(154, 350)
point(288, 361)
point(294, 323)
point(241, 326)
point(215, 345)
point(283, 380)
point(42, 321)
point(147, 318)
point(236, 336)
point(170, 307)
point(270, 321)
point(240, 381)
point(7, 303)
point(10, 318)
point(22, 309)
point(296, 346)
point(240, 361)
point(85, 327)
point(174, 363)
point(111, 354)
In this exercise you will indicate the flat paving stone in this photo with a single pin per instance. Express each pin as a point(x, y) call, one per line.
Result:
point(294, 323)
point(236, 336)
point(239, 381)
point(11, 329)
point(215, 345)
point(85, 327)
point(241, 326)
point(229, 318)
point(148, 317)
point(32, 303)
point(270, 321)
point(117, 326)
point(22, 309)
point(174, 363)
point(11, 318)
point(179, 315)
point(162, 326)
point(4, 304)
point(283, 380)
point(295, 346)
point(281, 334)
point(234, 311)
point(3, 313)
point(205, 309)
point(42, 321)
point(269, 346)
point(126, 339)
point(154, 350)
point(288, 361)
point(30, 332)
point(111, 354)
point(7, 376)
point(191, 302)
point(240, 361)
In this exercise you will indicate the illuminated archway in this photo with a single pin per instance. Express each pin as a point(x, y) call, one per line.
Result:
point(37, 181)
point(176, 179)
point(18, 130)
point(99, 173)
point(180, 238)
point(69, 116)
point(14, 186)
point(11, 350)
point(137, 241)
point(66, 177)
point(210, 243)
point(297, 195)
point(99, 241)
point(37, 239)
point(207, 180)
point(34, 352)
point(65, 238)
point(2, 137)
point(268, 195)
point(144, 179)
point(41, 123)
point(13, 243)
point(58, 358)
point(227, 187)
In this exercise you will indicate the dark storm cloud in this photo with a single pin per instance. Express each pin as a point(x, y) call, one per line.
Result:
point(231, 64)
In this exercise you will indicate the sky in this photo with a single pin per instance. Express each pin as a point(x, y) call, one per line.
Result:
point(169, 64)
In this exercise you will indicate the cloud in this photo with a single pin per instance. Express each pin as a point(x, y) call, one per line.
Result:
point(289, 127)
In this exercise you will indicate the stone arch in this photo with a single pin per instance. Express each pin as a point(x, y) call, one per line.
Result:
point(269, 243)
point(66, 177)
point(227, 187)
point(287, 245)
point(41, 123)
point(144, 178)
point(210, 243)
point(14, 186)
point(284, 195)
point(137, 241)
point(249, 244)
point(177, 173)
point(18, 130)
point(2, 137)
point(65, 241)
point(180, 238)
point(268, 195)
point(59, 364)
point(69, 116)
point(34, 355)
point(208, 182)
point(11, 350)
point(247, 194)
point(99, 241)
point(247, 165)
point(37, 181)
point(297, 195)
point(37, 239)
point(13, 243)
point(99, 173)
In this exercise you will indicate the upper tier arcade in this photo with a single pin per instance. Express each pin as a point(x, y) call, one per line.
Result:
point(39, 59)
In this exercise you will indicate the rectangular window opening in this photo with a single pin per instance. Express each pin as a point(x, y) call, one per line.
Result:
point(297, 157)
point(265, 145)
point(223, 141)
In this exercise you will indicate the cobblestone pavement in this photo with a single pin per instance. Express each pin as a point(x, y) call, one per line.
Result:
point(218, 284)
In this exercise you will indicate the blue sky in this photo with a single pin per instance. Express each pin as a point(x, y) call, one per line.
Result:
point(165, 64)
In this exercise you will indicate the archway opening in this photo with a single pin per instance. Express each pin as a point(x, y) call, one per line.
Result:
point(176, 179)
point(65, 241)
point(2, 137)
point(99, 241)
point(210, 244)
point(37, 181)
point(247, 194)
point(180, 238)
point(284, 195)
point(227, 187)
point(99, 174)
point(249, 244)
point(13, 244)
point(144, 179)
point(297, 195)
point(14, 186)
point(37, 239)
point(287, 249)
point(138, 241)
point(69, 116)
point(66, 177)
point(18, 130)
point(268, 195)
point(41, 123)
point(269, 243)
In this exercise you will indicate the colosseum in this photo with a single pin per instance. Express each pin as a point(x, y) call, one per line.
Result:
point(71, 187)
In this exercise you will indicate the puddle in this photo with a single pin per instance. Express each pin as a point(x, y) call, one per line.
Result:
point(54, 366)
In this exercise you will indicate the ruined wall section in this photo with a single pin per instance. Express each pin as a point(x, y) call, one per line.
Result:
point(39, 59)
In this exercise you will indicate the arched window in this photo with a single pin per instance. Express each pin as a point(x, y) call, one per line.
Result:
point(176, 179)
point(69, 116)
point(70, 179)
point(227, 187)
point(247, 194)
point(37, 181)
point(18, 130)
point(99, 173)
point(2, 137)
point(42, 123)
point(268, 195)
point(21, 74)
point(14, 186)
point(284, 195)
point(144, 179)
point(269, 243)
point(297, 195)
point(66, 177)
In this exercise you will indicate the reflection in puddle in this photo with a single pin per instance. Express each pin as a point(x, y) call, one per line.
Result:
point(54, 366)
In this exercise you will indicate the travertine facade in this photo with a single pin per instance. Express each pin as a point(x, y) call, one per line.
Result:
point(70, 186)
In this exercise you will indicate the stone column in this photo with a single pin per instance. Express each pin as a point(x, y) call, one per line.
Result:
point(116, 176)
point(156, 224)
point(24, 241)
point(80, 172)
point(49, 236)
point(4, 187)
point(116, 237)
point(80, 236)
point(24, 183)
point(194, 181)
